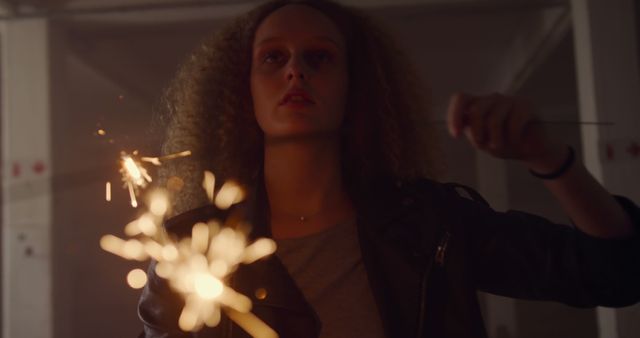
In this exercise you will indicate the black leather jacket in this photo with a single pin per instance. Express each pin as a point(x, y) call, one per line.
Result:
point(427, 249)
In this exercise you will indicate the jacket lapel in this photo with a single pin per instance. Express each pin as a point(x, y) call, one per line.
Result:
point(397, 229)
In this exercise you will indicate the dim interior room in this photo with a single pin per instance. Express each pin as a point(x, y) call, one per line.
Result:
point(72, 67)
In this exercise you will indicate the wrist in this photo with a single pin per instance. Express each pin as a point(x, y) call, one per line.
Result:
point(554, 164)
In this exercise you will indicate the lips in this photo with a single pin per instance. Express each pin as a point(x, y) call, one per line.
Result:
point(296, 97)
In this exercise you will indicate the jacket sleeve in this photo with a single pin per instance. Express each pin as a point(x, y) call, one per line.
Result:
point(521, 255)
point(159, 308)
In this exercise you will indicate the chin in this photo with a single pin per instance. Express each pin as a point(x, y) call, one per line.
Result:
point(302, 133)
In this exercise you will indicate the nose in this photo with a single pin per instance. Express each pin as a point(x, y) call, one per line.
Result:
point(295, 74)
point(296, 70)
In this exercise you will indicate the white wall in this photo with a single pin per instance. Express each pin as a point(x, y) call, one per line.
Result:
point(26, 180)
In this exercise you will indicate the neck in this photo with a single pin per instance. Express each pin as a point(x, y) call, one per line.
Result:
point(303, 179)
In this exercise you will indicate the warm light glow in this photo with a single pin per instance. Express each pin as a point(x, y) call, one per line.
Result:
point(132, 195)
point(195, 267)
point(164, 270)
point(209, 183)
point(207, 286)
point(134, 176)
point(132, 229)
point(153, 249)
point(169, 252)
point(200, 237)
point(219, 268)
point(101, 132)
point(230, 193)
point(111, 243)
point(158, 160)
point(159, 203)
point(132, 168)
point(260, 248)
point(108, 191)
point(133, 249)
point(188, 319)
point(136, 278)
point(252, 324)
point(146, 225)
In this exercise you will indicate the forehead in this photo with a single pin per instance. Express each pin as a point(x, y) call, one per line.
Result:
point(297, 22)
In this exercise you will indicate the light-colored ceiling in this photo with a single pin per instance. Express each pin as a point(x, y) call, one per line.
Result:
point(455, 46)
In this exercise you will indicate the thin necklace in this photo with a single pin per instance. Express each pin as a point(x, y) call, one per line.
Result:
point(302, 218)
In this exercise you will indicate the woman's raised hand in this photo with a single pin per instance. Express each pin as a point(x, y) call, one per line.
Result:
point(503, 126)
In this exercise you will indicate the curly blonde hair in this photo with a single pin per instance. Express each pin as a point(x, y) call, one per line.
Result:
point(208, 109)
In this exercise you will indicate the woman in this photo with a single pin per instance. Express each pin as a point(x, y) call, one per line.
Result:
point(309, 104)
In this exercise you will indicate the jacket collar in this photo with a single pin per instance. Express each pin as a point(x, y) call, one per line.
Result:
point(399, 226)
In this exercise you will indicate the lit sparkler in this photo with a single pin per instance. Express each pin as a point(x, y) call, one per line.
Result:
point(135, 176)
point(196, 267)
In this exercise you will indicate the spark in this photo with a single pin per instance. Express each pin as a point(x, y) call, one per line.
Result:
point(252, 324)
point(158, 160)
point(135, 176)
point(136, 278)
point(209, 183)
point(230, 193)
point(108, 191)
point(196, 267)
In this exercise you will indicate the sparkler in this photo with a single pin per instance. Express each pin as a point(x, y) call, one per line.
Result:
point(196, 267)
point(135, 176)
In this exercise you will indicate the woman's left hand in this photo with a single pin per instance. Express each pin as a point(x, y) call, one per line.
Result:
point(503, 126)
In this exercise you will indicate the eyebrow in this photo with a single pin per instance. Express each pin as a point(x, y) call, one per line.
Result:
point(319, 37)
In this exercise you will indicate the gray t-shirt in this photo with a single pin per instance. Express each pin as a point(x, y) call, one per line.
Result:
point(328, 268)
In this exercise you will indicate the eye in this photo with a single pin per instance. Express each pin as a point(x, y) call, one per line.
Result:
point(318, 57)
point(273, 57)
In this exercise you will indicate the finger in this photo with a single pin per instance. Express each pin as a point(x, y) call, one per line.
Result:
point(477, 114)
point(497, 122)
point(455, 113)
point(518, 124)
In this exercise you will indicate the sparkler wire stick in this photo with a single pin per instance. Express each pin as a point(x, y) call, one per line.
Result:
point(552, 122)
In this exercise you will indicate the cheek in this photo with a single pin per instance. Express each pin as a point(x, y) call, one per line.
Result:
point(340, 92)
point(261, 96)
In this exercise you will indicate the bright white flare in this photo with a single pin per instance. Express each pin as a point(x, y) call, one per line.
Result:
point(136, 177)
point(207, 286)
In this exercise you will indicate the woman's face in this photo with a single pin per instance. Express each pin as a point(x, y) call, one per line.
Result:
point(299, 73)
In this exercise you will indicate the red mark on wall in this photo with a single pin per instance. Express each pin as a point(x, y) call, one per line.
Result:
point(634, 149)
point(38, 167)
point(15, 169)
point(610, 152)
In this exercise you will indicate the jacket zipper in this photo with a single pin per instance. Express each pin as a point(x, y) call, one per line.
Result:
point(442, 249)
point(439, 259)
